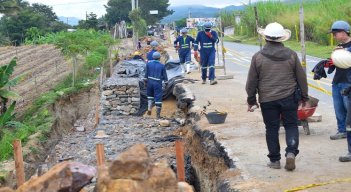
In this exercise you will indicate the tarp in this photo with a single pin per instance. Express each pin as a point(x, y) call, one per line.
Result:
point(136, 69)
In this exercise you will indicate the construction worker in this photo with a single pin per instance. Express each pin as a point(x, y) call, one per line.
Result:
point(276, 75)
point(182, 45)
point(154, 75)
point(137, 56)
point(154, 45)
point(341, 87)
point(207, 40)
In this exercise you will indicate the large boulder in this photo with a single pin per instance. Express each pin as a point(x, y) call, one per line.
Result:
point(131, 164)
point(63, 177)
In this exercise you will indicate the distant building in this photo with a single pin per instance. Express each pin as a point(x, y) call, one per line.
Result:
point(71, 30)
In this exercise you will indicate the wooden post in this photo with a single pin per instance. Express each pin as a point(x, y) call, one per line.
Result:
point(222, 44)
point(100, 154)
point(180, 160)
point(111, 67)
point(302, 38)
point(97, 116)
point(20, 176)
point(297, 33)
point(259, 36)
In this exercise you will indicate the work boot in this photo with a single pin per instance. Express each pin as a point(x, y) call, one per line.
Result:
point(213, 82)
point(188, 68)
point(338, 135)
point(345, 158)
point(158, 112)
point(203, 82)
point(149, 107)
point(183, 68)
point(274, 164)
point(290, 162)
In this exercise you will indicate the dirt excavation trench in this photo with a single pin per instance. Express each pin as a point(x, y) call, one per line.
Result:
point(73, 138)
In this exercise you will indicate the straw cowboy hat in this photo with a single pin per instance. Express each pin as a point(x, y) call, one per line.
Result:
point(275, 32)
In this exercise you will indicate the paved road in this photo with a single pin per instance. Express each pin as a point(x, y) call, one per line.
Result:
point(243, 134)
point(238, 60)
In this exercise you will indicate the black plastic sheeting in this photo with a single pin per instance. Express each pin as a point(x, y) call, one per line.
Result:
point(136, 68)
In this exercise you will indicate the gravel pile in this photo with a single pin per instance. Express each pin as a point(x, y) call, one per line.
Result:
point(121, 132)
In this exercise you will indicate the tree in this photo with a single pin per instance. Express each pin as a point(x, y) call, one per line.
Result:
point(8, 7)
point(39, 16)
point(181, 23)
point(160, 5)
point(139, 23)
point(45, 11)
point(118, 10)
point(90, 23)
point(5, 83)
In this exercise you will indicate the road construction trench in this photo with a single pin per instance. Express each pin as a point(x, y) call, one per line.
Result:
point(69, 143)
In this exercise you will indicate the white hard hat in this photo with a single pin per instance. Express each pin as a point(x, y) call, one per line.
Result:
point(341, 58)
point(275, 32)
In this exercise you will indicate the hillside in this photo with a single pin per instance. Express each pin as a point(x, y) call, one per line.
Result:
point(71, 20)
point(196, 11)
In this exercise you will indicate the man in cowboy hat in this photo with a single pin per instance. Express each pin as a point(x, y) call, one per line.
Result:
point(276, 75)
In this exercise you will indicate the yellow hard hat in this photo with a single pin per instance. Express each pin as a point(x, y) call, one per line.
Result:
point(137, 53)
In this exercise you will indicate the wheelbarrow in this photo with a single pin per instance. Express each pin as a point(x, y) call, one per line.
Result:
point(302, 115)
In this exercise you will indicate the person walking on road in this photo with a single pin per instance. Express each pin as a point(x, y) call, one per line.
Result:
point(182, 44)
point(278, 78)
point(341, 32)
point(149, 55)
point(154, 75)
point(207, 40)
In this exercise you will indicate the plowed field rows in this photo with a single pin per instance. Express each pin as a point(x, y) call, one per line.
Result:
point(44, 65)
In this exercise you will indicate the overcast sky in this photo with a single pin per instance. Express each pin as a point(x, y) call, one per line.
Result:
point(78, 8)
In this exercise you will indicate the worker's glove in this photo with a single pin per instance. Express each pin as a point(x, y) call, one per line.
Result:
point(328, 63)
point(145, 82)
point(209, 34)
point(302, 102)
point(196, 54)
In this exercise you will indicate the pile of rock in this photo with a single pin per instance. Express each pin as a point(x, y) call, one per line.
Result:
point(120, 96)
point(132, 171)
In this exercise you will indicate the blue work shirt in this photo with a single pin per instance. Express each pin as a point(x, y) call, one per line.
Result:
point(156, 71)
point(205, 42)
point(149, 55)
point(184, 43)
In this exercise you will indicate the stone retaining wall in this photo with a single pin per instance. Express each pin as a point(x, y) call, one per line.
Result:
point(120, 96)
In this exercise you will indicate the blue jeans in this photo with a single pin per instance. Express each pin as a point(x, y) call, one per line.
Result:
point(340, 105)
point(286, 110)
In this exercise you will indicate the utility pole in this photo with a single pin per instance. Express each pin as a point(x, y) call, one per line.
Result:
point(135, 4)
point(302, 38)
point(257, 25)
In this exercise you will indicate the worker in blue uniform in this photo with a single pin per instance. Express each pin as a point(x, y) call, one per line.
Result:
point(182, 44)
point(154, 75)
point(207, 39)
point(154, 45)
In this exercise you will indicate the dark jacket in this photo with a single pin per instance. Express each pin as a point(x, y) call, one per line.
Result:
point(156, 71)
point(275, 73)
point(184, 46)
point(340, 75)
